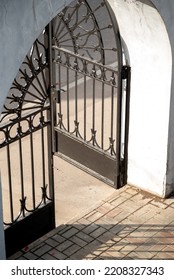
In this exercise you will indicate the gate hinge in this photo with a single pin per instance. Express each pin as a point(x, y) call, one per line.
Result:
point(124, 72)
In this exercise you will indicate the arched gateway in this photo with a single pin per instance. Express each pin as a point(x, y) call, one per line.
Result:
point(69, 99)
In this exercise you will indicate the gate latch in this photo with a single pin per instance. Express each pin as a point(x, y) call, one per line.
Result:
point(57, 95)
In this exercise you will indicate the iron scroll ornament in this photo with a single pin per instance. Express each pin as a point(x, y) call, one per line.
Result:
point(85, 28)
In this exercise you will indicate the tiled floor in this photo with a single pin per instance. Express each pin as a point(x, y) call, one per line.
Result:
point(130, 224)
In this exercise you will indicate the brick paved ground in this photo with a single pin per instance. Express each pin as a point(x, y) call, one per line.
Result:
point(131, 224)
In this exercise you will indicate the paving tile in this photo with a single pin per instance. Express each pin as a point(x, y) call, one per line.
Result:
point(57, 255)
point(114, 212)
point(78, 241)
point(72, 231)
point(108, 206)
point(30, 256)
point(164, 240)
point(100, 250)
point(51, 242)
point(169, 200)
point(121, 216)
point(90, 214)
point(102, 222)
point(141, 199)
point(127, 230)
point(84, 237)
point(84, 221)
point(126, 194)
point(106, 221)
point(116, 238)
point(135, 240)
point(132, 191)
point(22, 258)
point(105, 237)
point(163, 256)
point(145, 255)
point(79, 226)
point(71, 250)
point(118, 201)
point(115, 254)
point(63, 246)
point(94, 217)
point(169, 248)
point(81, 254)
point(163, 233)
point(48, 257)
point(102, 210)
point(133, 256)
point(127, 249)
point(104, 256)
point(117, 228)
point(63, 228)
point(42, 250)
point(93, 246)
point(90, 228)
point(117, 247)
point(99, 231)
point(159, 204)
point(58, 238)
point(90, 257)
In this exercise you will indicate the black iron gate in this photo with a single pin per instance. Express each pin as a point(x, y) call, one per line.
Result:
point(26, 152)
point(88, 84)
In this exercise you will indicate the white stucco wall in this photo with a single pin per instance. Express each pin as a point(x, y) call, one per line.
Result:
point(167, 12)
point(144, 34)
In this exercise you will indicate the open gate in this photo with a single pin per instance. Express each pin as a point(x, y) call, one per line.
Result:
point(88, 89)
point(70, 98)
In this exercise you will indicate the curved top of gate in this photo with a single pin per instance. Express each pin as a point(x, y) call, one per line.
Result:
point(88, 28)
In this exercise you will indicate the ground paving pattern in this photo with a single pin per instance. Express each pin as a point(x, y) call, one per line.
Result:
point(131, 224)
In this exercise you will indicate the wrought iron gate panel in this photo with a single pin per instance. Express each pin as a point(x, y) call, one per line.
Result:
point(87, 63)
point(26, 155)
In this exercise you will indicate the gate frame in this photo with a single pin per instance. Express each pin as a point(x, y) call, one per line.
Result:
point(122, 124)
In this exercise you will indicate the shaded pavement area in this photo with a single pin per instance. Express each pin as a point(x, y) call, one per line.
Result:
point(129, 224)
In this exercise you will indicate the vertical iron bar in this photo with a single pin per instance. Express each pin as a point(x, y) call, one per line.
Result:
point(10, 183)
point(126, 124)
point(93, 108)
point(68, 120)
point(84, 107)
point(76, 98)
point(102, 116)
point(112, 112)
point(59, 86)
point(21, 171)
point(43, 153)
point(32, 171)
